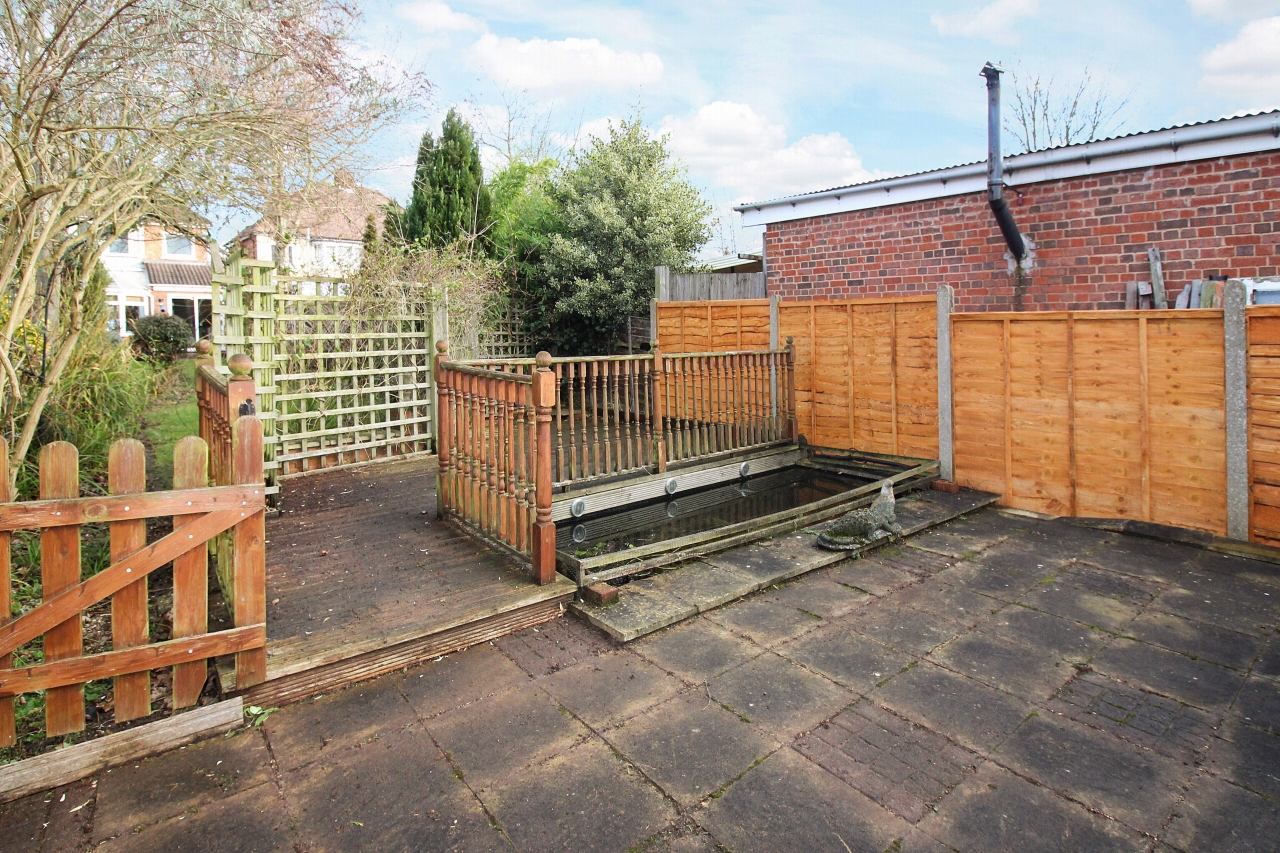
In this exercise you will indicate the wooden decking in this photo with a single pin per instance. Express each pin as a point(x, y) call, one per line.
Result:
point(363, 579)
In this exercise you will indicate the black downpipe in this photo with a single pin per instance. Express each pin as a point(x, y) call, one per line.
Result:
point(995, 168)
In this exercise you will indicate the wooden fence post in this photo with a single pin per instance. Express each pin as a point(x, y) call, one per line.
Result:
point(249, 560)
point(127, 474)
point(8, 729)
point(1236, 362)
point(544, 531)
point(242, 398)
point(659, 410)
point(946, 435)
point(190, 574)
point(443, 430)
point(59, 571)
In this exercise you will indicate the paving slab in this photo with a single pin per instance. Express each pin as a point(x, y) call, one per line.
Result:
point(846, 657)
point(764, 620)
point(1145, 558)
point(141, 793)
point(697, 649)
point(1148, 719)
point(553, 646)
point(1196, 639)
point(969, 712)
point(322, 728)
point(994, 811)
point(904, 628)
point(995, 658)
point(873, 575)
point(459, 679)
point(902, 766)
point(1196, 682)
point(394, 793)
point(936, 595)
point(611, 688)
point(818, 594)
point(1002, 583)
point(1218, 816)
point(582, 799)
point(1221, 601)
point(637, 612)
point(253, 821)
point(1135, 786)
point(1080, 605)
point(495, 737)
point(1024, 555)
point(1268, 662)
point(1259, 702)
point(779, 559)
point(1247, 755)
point(704, 585)
point(690, 746)
point(789, 803)
point(779, 696)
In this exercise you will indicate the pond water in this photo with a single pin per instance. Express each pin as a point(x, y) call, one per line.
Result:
point(700, 510)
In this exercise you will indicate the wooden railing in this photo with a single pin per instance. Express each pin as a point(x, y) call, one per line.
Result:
point(493, 441)
point(627, 414)
point(199, 514)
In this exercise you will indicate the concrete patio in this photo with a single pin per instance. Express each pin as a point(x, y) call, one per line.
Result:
point(997, 683)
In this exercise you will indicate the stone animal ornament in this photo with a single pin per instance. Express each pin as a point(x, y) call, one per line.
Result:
point(863, 526)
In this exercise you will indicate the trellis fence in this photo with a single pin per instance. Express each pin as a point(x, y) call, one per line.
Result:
point(57, 662)
point(336, 384)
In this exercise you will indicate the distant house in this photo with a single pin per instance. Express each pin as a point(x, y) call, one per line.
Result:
point(157, 272)
point(317, 230)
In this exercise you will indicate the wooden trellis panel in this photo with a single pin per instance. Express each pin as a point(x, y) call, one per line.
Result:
point(350, 388)
point(244, 314)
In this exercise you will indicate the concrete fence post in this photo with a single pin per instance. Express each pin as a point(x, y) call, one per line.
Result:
point(1236, 360)
point(946, 439)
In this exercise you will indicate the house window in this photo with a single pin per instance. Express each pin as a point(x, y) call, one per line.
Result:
point(119, 246)
point(178, 244)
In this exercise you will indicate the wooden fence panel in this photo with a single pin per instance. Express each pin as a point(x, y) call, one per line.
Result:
point(1263, 325)
point(713, 326)
point(1116, 414)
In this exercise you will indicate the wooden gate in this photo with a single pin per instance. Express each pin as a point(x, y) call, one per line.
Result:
point(199, 514)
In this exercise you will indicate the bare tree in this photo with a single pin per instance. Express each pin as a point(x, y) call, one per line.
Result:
point(119, 112)
point(1044, 114)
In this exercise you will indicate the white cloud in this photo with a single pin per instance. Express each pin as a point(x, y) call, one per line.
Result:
point(993, 21)
point(739, 149)
point(1248, 66)
point(561, 67)
point(434, 17)
point(1235, 9)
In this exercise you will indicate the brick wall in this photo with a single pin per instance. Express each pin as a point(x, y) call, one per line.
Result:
point(1089, 235)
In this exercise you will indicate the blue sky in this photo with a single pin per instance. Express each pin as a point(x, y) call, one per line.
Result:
point(769, 99)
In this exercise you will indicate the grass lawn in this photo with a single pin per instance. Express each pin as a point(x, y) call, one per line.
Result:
point(172, 415)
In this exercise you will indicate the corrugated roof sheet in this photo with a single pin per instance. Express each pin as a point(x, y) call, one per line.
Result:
point(193, 274)
point(977, 162)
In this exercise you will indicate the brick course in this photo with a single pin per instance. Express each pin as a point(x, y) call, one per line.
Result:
point(1089, 236)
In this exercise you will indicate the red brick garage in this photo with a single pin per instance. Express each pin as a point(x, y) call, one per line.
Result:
point(1207, 195)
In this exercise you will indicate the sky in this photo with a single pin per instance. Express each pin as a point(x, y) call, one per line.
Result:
point(761, 100)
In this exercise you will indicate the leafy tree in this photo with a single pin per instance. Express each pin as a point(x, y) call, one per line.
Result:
point(161, 337)
point(119, 112)
point(449, 198)
point(621, 208)
point(523, 217)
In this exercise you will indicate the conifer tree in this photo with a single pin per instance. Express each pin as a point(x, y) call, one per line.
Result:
point(449, 197)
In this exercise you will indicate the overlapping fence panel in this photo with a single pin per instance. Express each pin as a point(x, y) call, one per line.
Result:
point(1116, 414)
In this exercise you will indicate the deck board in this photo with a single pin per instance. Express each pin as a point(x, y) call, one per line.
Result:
point(357, 561)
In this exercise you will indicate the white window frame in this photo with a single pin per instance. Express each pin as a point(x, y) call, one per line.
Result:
point(164, 247)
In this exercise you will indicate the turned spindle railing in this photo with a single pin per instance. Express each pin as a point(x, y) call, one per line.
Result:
point(511, 431)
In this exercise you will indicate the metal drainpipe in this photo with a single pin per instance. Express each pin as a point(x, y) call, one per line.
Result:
point(995, 168)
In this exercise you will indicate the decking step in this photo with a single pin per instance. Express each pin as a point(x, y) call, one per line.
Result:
point(653, 603)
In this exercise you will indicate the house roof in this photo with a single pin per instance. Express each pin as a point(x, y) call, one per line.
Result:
point(1234, 135)
point(324, 211)
point(187, 273)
